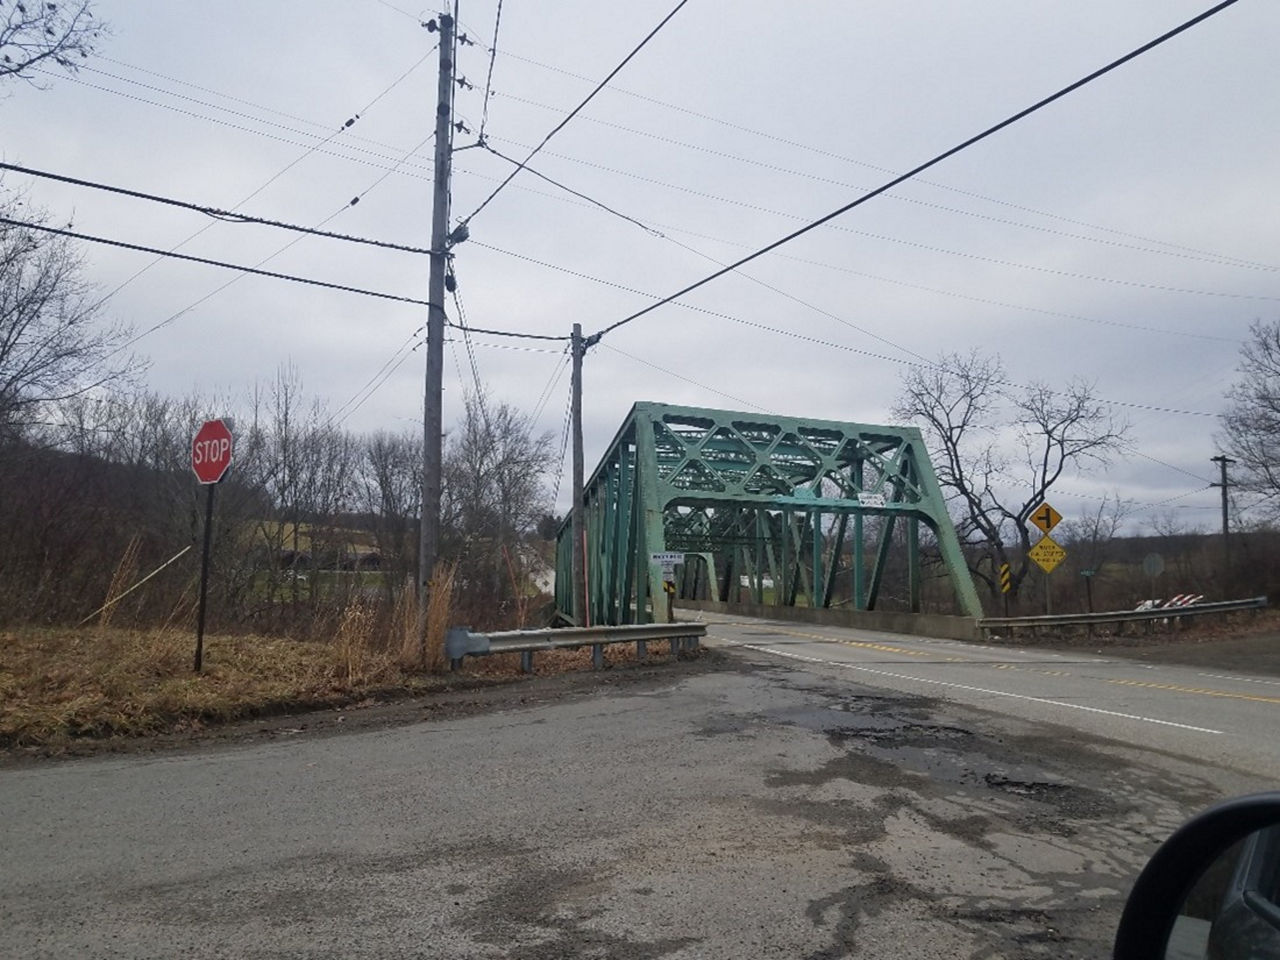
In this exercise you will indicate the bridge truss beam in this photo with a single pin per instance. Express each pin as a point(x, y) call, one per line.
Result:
point(771, 506)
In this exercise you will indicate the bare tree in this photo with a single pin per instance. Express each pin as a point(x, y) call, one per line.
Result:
point(34, 33)
point(1092, 535)
point(53, 344)
point(390, 490)
point(999, 448)
point(1251, 425)
point(494, 496)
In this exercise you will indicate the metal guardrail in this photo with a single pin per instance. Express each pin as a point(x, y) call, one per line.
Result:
point(989, 624)
point(460, 642)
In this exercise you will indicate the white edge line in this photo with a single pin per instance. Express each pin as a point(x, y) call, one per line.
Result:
point(962, 686)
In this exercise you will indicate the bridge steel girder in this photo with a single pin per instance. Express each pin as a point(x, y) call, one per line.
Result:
point(749, 494)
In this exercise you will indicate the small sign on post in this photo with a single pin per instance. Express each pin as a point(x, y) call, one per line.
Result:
point(211, 450)
point(667, 561)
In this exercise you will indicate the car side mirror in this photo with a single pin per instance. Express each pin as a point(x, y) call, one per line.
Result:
point(1212, 890)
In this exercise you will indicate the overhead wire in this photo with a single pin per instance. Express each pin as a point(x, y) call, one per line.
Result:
point(107, 241)
point(1170, 250)
point(488, 81)
point(345, 125)
point(549, 389)
point(680, 376)
point(1035, 268)
point(318, 147)
point(234, 217)
point(933, 161)
point(392, 364)
point(793, 334)
point(818, 151)
point(574, 112)
point(564, 445)
point(308, 151)
point(229, 216)
point(256, 271)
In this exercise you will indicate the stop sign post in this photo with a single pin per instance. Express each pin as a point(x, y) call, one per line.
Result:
point(211, 450)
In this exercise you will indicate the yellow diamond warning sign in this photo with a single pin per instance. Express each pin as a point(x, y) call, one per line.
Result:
point(1047, 554)
point(1046, 518)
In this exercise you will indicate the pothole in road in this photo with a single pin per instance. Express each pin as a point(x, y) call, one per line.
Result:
point(1036, 789)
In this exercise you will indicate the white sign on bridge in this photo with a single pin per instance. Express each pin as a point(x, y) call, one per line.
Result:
point(667, 561)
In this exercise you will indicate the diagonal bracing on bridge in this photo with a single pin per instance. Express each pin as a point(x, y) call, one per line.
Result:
point(778, 508)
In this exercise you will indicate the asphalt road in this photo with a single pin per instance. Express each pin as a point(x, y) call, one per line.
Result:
point(1203, 713)
point(849, 796)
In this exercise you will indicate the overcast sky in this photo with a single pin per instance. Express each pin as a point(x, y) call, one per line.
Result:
point(1127, 234)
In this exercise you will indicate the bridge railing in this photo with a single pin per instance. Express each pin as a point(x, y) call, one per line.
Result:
point(992, 625)
point(461, 642)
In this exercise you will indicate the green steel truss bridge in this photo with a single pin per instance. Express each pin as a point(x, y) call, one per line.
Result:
point(756, 503)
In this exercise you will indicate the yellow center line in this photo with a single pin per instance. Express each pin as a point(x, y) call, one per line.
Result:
point(868, 645)
point(1202, 691)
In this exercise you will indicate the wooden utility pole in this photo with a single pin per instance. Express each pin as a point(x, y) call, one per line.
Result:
point(1223, 461)
point(432, 412)
point(577, 527)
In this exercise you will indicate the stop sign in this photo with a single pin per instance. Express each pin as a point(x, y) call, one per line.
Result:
point(211, 451)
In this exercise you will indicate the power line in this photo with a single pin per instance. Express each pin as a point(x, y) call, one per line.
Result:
point(313, 148)
point(808, 339)
point(1051, 271)
point(276, 176)
point(889, 185)
point(557, 184)
point(574, 112)
point(1174, 251)
point(547, 391)
point(393, 363)
point(262, 273)
point(233, 217)
point(689, 380)
point(217, 93)
point(345, 125)
point(209, 262)
point(651, 228)
point(271, 256)
point(818, 151)
point(564, 445)
point(488, 82)
point(226, 216)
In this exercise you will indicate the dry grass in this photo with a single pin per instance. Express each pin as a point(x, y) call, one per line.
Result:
point(439, 615)
point(121, 580)
point(59, 684)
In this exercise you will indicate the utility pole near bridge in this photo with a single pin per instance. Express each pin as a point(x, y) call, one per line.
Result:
point(432, 412)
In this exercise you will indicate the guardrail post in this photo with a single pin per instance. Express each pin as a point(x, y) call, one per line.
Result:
point(642, 650)
point(526, 661)
point(597, 656)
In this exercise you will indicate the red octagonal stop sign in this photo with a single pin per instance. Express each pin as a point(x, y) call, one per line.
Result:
point(211, 451)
